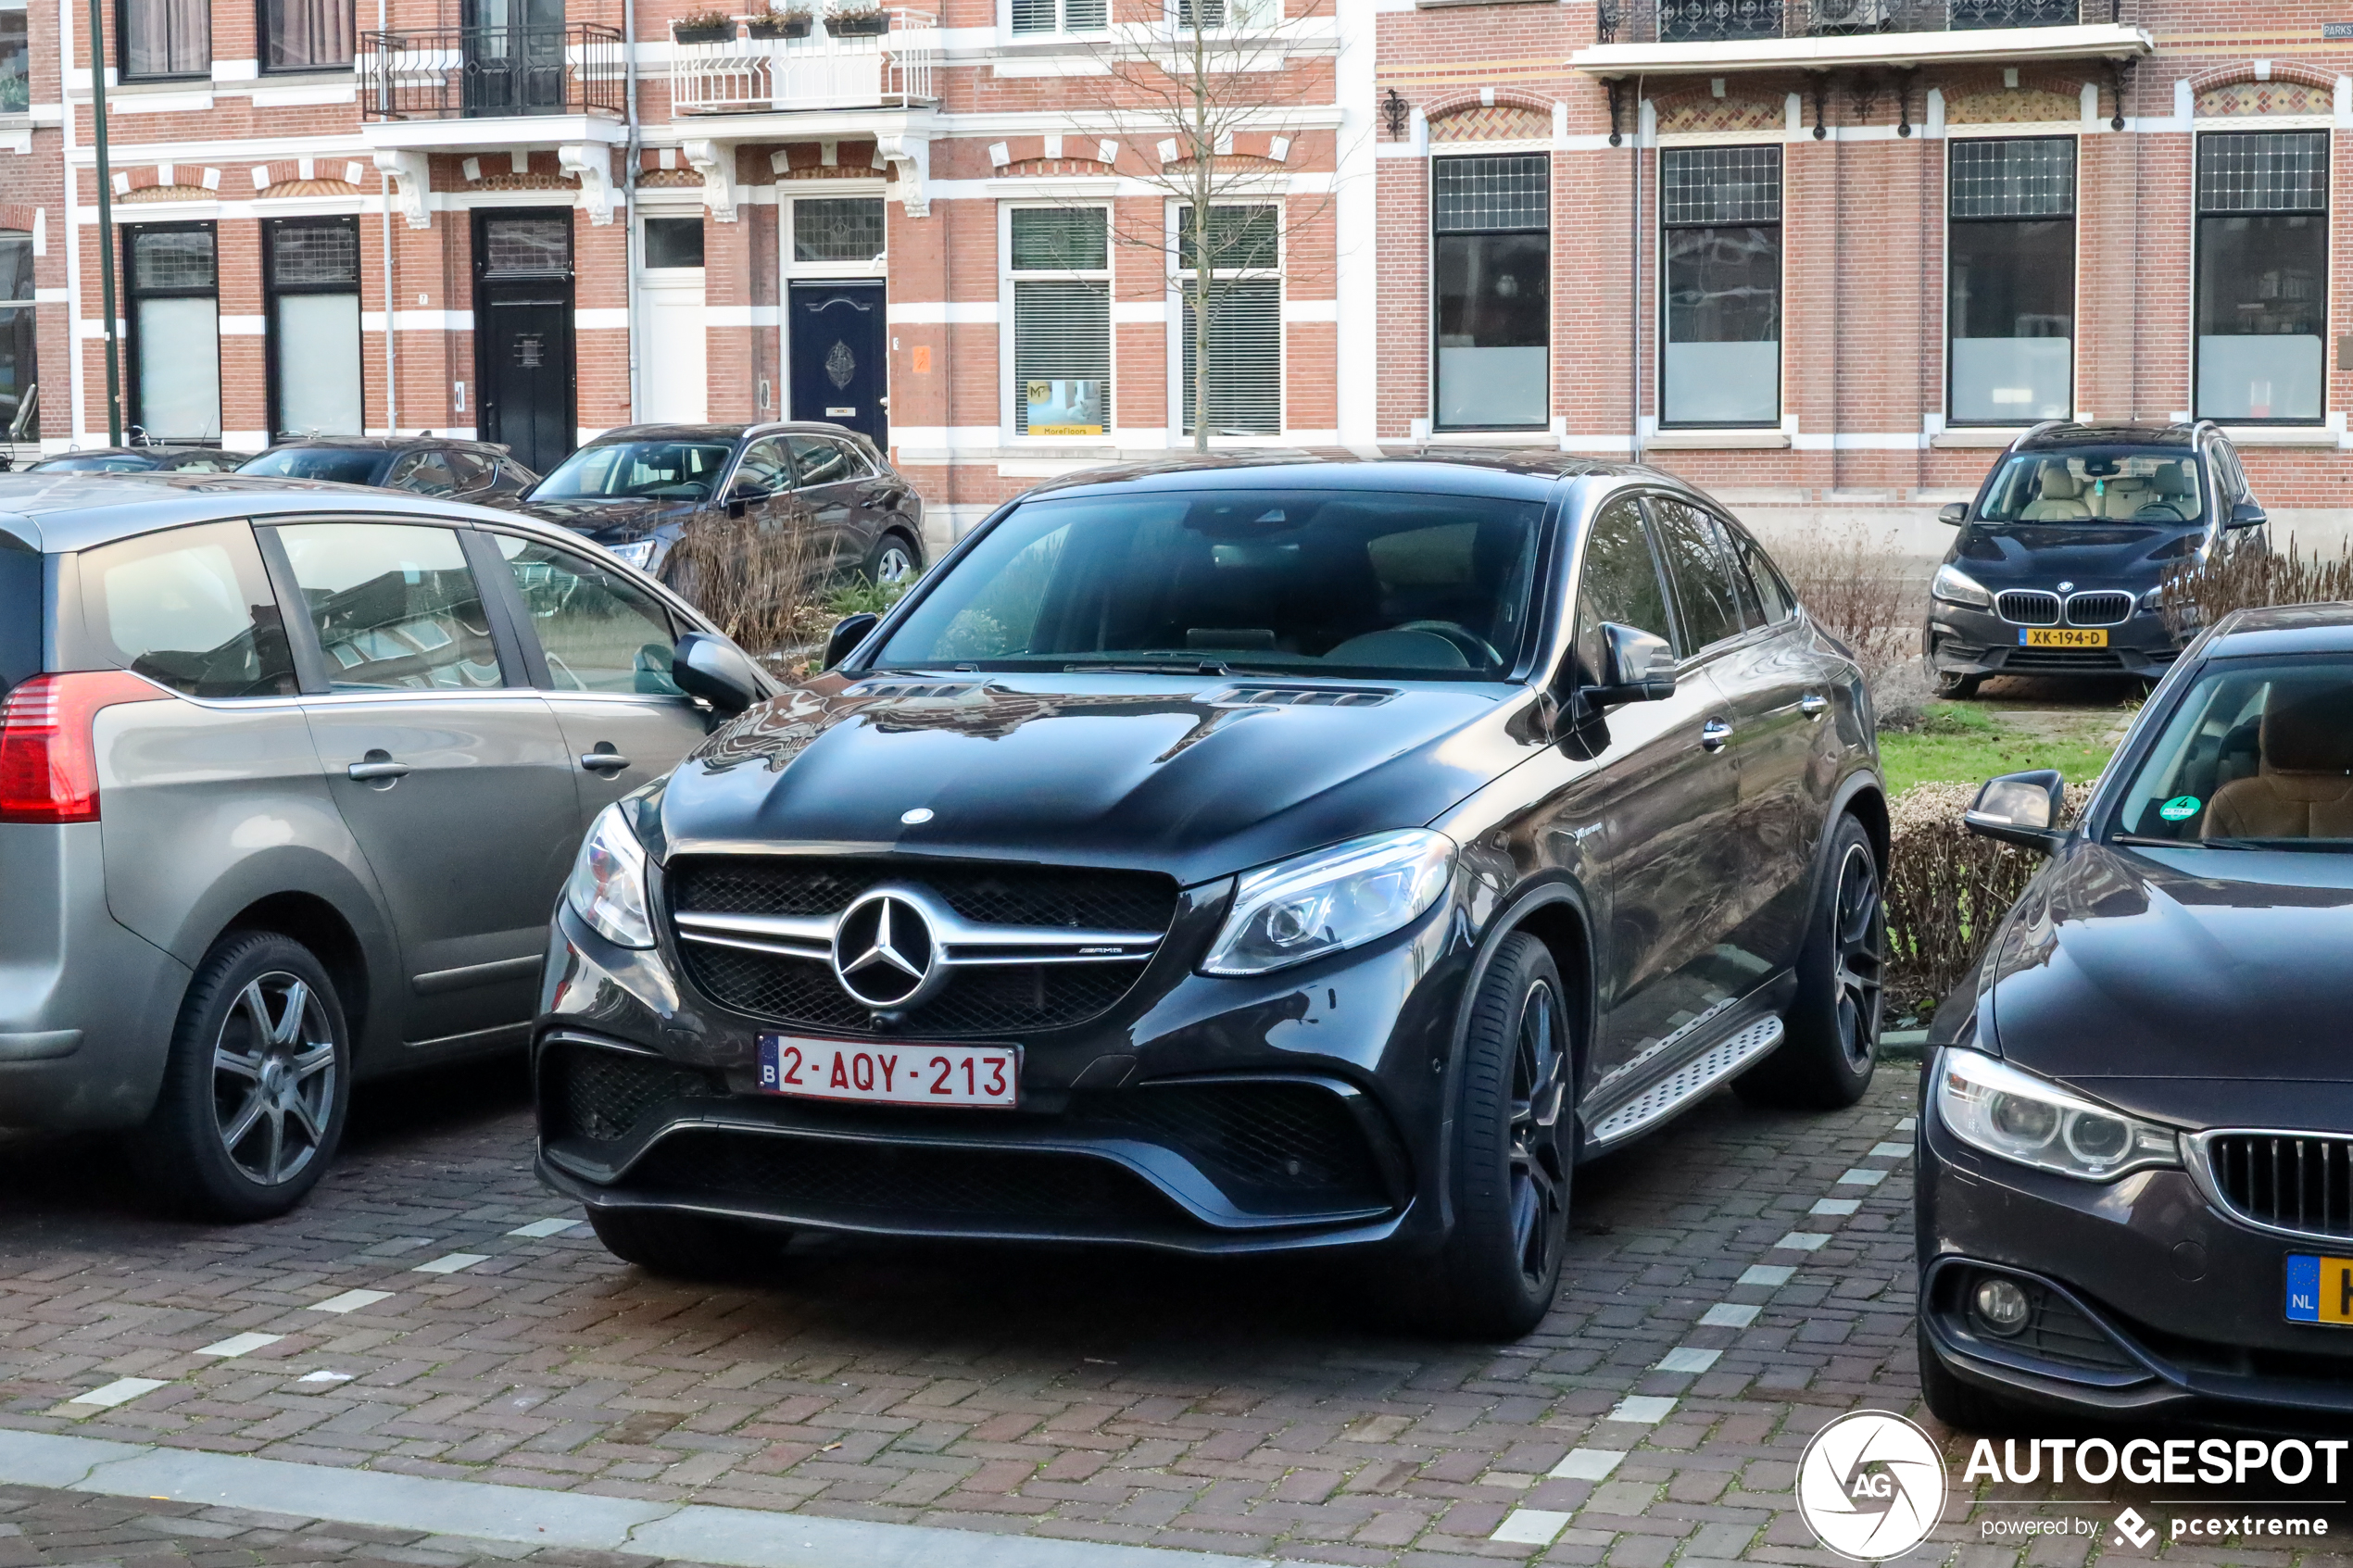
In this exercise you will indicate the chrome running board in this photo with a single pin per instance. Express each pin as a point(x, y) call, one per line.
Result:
point(1686, 1084)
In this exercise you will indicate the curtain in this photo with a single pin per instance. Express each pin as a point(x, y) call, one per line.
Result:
point(307, 34)
point(167, 38)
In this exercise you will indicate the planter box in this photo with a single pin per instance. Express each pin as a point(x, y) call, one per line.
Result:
point(703, 35)
point(873, 26)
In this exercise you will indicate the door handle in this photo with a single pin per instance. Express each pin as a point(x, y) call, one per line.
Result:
point(378, 766)
point(1813, 705)
point(1714, 733)
point(603, 762)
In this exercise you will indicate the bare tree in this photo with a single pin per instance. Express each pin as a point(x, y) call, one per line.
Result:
point(1183, 90)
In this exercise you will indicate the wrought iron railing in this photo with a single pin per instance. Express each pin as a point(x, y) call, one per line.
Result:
point(821, 69)
point(469, 72)
point(1714, 22)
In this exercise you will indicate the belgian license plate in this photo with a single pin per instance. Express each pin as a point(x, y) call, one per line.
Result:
point(890, 1074)
point(2060, 637)
point(2320, 1289)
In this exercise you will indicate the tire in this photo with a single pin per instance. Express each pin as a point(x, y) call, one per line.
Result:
point(893, 559)
point(692, 1246)
point(256, 1084)
point(1951, 684)
point(1512, 1155)
point(1833, 1022)
point(1966, 1408)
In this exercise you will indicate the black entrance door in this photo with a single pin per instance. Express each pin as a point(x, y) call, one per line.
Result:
point(523, 334)
point(837, 347)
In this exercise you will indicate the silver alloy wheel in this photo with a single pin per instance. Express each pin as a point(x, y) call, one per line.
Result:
point(1859, 953)
point(1536, 1173)
point(274, 1078)
point(893, 564)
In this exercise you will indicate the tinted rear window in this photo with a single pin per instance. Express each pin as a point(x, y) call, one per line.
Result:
point(319, 462)
point(19, 611)
point(189, 608)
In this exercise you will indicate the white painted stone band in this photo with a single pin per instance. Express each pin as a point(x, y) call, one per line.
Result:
point(735, 1537)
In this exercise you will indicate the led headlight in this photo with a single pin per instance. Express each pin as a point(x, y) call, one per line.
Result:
point(1993, 1106)
point(607, 887)
point(643, 554)
point(1338, 897)
point(1956, 586)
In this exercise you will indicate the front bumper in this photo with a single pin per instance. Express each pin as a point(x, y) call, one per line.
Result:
point(1297, 1110)
point(2146, 1299)
point(1960, 640)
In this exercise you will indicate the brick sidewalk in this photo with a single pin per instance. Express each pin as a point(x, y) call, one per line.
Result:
point(1705, 1334)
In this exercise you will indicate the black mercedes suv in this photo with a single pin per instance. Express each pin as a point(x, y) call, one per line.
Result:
point(1236, 857)
point(2062, 555)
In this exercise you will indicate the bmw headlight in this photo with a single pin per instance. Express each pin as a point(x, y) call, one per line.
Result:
point(607, 883)
point(643, 554)
point(1338, 897)
point(1993, 1106)
point(1956, 586)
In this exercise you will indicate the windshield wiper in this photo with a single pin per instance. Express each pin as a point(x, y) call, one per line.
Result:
point(1160, 667)
point(2187, 843)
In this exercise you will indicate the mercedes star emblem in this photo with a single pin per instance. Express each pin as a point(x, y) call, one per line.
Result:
point(884, 952)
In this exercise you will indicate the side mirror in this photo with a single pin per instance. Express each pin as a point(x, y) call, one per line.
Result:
point(848, 633)
point(1954, 512)
point(1637, 665)
point(2021, 808)
point(716, 671)
point(744, 493)
point(2248, 514)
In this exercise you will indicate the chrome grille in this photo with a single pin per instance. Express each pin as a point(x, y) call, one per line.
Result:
point(2100, 609)
point(2300, 1182)
point(2028, 608)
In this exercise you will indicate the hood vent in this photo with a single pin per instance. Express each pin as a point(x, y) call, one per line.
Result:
point(903, 689)
point(1301, 696)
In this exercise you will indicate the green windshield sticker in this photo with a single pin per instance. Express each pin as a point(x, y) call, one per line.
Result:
point(2180, 808)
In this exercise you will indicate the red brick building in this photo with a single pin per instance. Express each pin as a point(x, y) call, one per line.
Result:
point(1814, 254)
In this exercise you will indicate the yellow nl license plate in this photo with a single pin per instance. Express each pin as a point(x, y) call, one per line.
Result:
point(2320, 1289)
point(2060, 637)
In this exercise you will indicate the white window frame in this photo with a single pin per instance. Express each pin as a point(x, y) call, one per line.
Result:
point(1062, 28)
point(789, 192)
point(1178, 276)
point(1008, 381)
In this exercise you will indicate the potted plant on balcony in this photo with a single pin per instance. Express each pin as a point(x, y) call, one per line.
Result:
point(857, 19)
point(704, 27)
point(785, 21)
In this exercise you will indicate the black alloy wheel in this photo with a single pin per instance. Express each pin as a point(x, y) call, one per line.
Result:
point(1514, 1150)
point(1833, 1023)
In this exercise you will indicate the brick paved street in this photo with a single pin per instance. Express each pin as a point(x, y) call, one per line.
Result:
point(1733, 1283)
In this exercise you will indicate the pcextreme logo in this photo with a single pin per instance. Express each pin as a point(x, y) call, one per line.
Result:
point(1871, 1486)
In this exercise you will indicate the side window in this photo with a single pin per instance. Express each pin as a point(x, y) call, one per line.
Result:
point(1772, 593)
point(1744, 588)
point(1695, 565)
point(470, 471)
point(1619, 581)
point(427, 473)
point(855, 463)
point(190, 609)
point(821, 462)
point(2233, 477)
point(599, 633)
point(394, 607)
point(766, 465)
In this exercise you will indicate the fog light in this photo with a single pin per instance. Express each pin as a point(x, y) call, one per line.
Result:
point(1999, 1307)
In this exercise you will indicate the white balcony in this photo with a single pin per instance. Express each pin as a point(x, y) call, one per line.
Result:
point(747, 75)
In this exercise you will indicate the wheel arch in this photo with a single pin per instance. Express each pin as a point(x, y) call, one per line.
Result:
point(319, 926)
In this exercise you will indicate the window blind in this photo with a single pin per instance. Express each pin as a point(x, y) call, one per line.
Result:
point(1245, 358)
point(1062, 332)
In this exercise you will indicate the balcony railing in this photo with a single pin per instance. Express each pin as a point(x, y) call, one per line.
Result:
point(820, 70)
point(473, 73)
point(1718, 21)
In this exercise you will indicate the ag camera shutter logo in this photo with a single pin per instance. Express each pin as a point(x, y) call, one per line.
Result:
point(1871, 1486)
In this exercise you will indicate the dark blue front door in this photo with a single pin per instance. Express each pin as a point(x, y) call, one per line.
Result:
point(837, 347)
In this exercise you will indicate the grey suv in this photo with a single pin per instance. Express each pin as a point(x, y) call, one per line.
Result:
point(290, 776)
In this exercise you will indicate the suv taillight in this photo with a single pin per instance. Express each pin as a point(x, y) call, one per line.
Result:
point(48, 764)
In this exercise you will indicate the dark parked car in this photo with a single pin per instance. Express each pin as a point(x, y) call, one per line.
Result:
point(2135, 1186)
point(2060, 561)
point(635, 490)
point(290, 777)
point(141, 460)
point(1237, 857)
point(475, 472)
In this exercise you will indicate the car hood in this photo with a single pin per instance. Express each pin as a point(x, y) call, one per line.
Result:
point(2181, 983)
point(1193, 776)
point(2090, 555)
point(611, 522)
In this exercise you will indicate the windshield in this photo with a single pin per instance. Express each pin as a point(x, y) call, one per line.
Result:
point(116, 462)
point(668, 470)
point(337, 463)
point(2257, 752)
point(1339, 583)
point(2156, 485)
